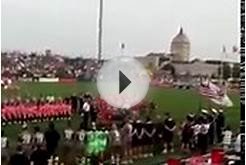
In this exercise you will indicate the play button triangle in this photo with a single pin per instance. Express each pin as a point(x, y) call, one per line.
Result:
point(123, 82)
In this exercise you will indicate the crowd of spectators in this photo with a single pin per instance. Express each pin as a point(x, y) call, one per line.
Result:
point(17, 65)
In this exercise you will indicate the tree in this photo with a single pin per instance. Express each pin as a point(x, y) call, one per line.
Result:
point(213, 76)
point(236, 71)
point(226, 71)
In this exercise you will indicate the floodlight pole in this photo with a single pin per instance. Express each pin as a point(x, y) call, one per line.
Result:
point(100, 18)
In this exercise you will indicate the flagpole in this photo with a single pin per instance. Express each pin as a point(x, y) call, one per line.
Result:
point(100, 19)
point(222, 69)
point(122, 48)
point(221, 64)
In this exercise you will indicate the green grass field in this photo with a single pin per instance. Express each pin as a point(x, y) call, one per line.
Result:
point(177, 102)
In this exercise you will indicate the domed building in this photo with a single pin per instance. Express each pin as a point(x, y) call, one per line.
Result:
point(180, 47)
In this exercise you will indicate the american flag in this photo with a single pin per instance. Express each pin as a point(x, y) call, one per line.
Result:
point(215, 94)
point(210, 90)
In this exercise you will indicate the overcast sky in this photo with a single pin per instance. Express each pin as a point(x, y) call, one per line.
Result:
point(70, 26)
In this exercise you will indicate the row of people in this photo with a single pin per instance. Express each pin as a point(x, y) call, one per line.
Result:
point(135, 138)
point(93, 109)
point(33, 148)
point(30, 112)
point(197, 133)
point(90, 108)
point(208, 126)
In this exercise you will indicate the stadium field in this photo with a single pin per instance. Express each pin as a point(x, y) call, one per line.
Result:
point(176, 101)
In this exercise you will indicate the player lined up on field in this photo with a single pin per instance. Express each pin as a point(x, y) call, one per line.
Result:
point(121, 142)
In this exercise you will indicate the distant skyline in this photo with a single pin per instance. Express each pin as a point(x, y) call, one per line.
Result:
point(70, 27)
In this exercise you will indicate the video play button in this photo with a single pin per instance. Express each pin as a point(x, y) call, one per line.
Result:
point(122, 82)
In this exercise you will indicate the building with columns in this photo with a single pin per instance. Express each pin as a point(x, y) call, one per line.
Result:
point(178, 62)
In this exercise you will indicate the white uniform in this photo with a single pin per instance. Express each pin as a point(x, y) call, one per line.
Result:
point(127, 134)
point(79, 141)
point(196, 129)
point(227, 137)
point(26, 142)
point(68, 134)
point(204, 128)
point(4, 149)
point(26, 137)
point(86, 107)
point(4, 142)
point(237, 144)
point(38, 137)
point(116, 138)
point(81, 135)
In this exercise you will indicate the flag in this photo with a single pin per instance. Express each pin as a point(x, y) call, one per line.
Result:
point(235, 49)
point(223, 49)
point(223, 101)
point(215, 93)
point(208, 89)
point(122, 46)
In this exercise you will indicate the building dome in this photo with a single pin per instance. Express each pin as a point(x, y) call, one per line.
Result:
point(180, 47)
point(180, 37)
